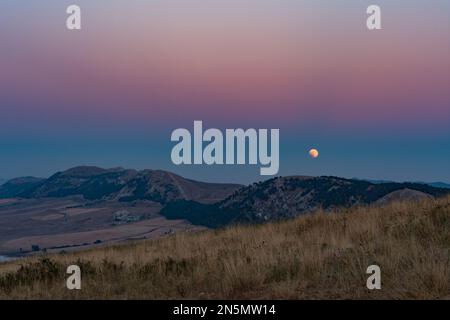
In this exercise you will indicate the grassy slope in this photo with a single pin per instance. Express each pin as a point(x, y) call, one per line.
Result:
point(316, 256)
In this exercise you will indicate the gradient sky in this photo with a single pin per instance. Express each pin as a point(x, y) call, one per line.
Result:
point(375, 104)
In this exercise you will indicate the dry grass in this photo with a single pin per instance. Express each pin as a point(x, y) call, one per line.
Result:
point(311, 257)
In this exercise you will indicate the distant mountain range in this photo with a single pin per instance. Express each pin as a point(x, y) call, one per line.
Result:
point(433, 184)
point(439, 185)
point(215, 204)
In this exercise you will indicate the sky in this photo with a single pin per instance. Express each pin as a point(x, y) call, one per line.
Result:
point(376, 104)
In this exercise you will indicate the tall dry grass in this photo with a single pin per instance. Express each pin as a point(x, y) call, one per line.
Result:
point(322, 255)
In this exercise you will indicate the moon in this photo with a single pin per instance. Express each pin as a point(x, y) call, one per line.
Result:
point(314, 153)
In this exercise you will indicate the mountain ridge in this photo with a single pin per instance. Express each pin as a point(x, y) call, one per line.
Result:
point(215, 204)
point(288, 197)
point(119, 184)
point(16, 186)
point(437, 184)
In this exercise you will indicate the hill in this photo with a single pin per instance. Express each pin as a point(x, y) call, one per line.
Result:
point(17, 186)
point(213, 204)
point(433, 184)
point(118, 184)
point(440, 185)
point(287, 197)
point(317, 256)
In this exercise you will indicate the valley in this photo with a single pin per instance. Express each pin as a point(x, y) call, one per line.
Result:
point(59, 225)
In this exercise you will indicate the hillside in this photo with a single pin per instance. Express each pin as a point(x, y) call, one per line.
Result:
point(309, 257)
point(288, 197)
point(86, 207)
point(440, 185)
point(17, 186)
point(118, 184)
point(214, 204)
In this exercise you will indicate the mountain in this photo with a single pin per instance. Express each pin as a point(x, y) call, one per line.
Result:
point(213, 204)
point(117, 184)
point(287, 197)
point(14, 187)
point(440, 185)
point(90, 182)
point(433, 184)
point(165, 187)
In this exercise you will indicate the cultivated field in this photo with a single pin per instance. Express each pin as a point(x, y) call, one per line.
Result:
point(55, 225)
point(311, 257)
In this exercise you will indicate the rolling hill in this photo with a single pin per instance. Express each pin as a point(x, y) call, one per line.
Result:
point(287, 197)
point(17, 186)
point(214, 204)
point(117, 184)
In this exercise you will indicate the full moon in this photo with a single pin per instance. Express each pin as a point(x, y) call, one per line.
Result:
point(314, 153)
